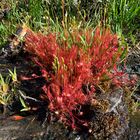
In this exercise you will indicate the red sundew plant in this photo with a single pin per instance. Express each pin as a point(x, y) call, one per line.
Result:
point(68, 69)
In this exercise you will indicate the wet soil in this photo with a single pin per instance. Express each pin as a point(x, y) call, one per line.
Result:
point(31, 129)
point(110, 123)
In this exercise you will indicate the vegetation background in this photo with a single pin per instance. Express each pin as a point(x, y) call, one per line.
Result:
point(122, 16)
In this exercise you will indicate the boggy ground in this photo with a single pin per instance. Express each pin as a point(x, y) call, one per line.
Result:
point(31, 129)
point(109, 117)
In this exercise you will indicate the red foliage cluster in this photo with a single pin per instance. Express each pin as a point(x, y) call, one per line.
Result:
point(69, 68)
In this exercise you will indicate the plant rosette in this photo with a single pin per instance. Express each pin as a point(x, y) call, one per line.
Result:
point(81, 72)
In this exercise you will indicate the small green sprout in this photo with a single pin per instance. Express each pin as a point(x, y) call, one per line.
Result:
point(23, 98)
point(4, 89)
point(7, 88)
point(13, 75)
point(25, 107)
